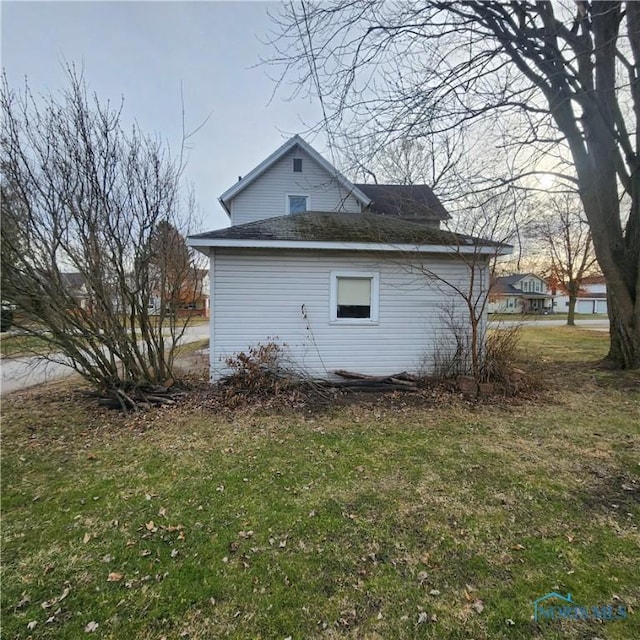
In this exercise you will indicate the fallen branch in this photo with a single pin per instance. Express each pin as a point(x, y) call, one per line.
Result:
point(399, 378)
point(385, 384)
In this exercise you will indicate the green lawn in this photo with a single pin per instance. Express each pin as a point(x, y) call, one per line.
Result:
point(391, 517)
point(14, 346)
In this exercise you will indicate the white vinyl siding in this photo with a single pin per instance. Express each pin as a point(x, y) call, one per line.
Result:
point(533, 285)
point(266, 196)
point(285, 297)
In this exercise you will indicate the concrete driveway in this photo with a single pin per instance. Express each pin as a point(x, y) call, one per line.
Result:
point(22, 373)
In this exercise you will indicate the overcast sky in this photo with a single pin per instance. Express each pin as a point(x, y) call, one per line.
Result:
point(143, 51)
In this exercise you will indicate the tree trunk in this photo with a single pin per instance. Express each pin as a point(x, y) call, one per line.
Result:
point(623, 303)
point(620, 268)
point(624, 347)
point(571, 316)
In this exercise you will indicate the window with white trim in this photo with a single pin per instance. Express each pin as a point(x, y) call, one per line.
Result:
point(354, 297)
point(297, 203)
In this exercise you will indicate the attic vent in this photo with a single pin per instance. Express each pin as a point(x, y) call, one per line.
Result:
point(297, 165)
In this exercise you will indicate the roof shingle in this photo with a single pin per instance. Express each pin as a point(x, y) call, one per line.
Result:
point(320, 226)
point(407, 201)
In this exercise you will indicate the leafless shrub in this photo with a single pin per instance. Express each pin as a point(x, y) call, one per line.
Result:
point(500, 356)
point(93, 254)
point(265, 374)
point(257, 371)
point(453, 353)
point(452, 356)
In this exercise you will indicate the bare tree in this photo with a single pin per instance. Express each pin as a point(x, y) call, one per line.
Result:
point(566, 243)
point(564, 73)
point(407, 161)
point(86, 197)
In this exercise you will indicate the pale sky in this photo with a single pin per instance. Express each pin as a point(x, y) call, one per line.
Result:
point(143, 51)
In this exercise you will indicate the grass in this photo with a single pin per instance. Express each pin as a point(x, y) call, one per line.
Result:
point(541, 317)
point(396, 517)
point(15, 346)
point(562, 345)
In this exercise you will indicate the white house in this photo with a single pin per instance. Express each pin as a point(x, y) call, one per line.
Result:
point(591, 299)
point(520, 293)
point(335, 270)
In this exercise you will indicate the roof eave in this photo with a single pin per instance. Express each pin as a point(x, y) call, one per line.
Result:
point(224, 206)
point(204, 244)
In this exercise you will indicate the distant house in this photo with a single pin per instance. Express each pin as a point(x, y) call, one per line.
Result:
point(520, 293)
point(193, 298)
point(334, 270)
point(75, 285)
point(592, 297)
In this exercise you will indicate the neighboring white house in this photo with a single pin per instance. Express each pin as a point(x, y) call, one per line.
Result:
point(335, 270)
point(520, 293)
point(592, 297)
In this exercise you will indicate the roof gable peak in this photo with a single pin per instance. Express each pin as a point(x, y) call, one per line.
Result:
point(279, 153)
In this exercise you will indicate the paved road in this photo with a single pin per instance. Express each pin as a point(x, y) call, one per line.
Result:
point(599, 324)
point(21, 373)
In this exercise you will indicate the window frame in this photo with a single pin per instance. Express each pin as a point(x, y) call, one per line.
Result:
point(297, 162)
point(296, 195)
point(374, 308)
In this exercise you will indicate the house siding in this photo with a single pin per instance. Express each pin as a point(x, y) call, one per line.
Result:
point(532, 284)
point(505, 304)
point(258, 297)
point(266, 197)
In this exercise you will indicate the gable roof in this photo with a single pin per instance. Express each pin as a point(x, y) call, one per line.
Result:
point(72, 280)
point(598, 279)
point(409, 201)
point(516, 277)
point(290, 144)
point(505, 285)
point(339, 230)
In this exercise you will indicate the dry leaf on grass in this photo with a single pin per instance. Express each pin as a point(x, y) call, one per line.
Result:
point(24, 601)
point(478, 605)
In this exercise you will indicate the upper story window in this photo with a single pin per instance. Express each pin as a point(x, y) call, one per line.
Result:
point(297, 165)
point(297, 204)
